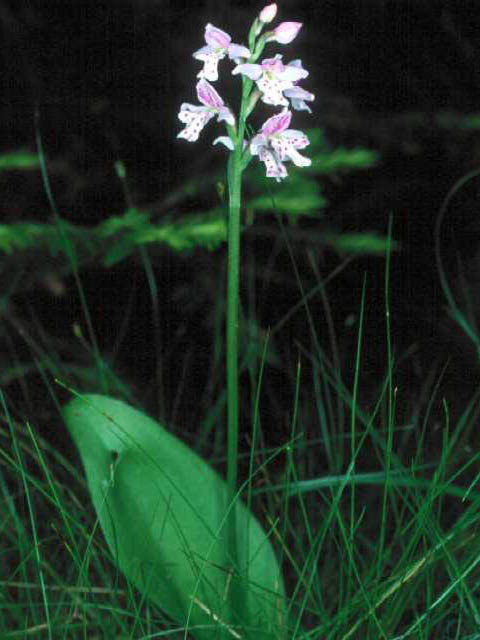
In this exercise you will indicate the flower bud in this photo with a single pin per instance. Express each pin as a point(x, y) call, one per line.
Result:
point(268, 13)
point(285, 32)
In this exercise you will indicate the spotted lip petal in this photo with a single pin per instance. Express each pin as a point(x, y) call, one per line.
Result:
point(297, 138)
point(195, 118)
point(274, 167)
point(285, 150)
point(210, 63)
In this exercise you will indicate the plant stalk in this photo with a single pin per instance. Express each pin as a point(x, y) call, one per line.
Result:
point(235, 170)
point(233, 282)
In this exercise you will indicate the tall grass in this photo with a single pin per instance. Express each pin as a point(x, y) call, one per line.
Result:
point(375, 518)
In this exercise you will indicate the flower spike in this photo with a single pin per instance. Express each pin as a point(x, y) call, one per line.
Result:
point(276, 84)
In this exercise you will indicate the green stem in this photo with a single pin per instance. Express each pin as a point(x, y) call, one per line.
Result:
point(236, 165)
point(235, 187)
point(235, 170)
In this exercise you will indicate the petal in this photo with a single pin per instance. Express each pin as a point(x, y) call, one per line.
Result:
point(293, 73)
point(299, 105)
point(195, 118)
point(216, 37)
point(208, 96)
point(273, 165)
point(210, 66)
point(298, 93)
point(201, 53)
point(285, 32)
point(297, 97)
point(272, 88)
point(224, 113)
point(268, 13)
point(226, 140)
point(277, 123)
point(237, 51)
point(285, 150)
point(252, 71)
point(257, 143)
point(298, 159)
point(273, 64)
point(296, 138)
point(186, 111)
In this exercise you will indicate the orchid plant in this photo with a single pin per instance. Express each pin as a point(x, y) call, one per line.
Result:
point(176, 529)
point(276, 84)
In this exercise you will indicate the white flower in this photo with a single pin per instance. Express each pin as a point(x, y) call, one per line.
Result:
point(219, 44)
point(276, 144)
point(273, 78)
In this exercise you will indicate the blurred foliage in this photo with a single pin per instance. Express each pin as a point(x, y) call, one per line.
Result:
point(112, 240)
point(19, 159)
point(39, 248)
point(371, 243)
point(452, 120)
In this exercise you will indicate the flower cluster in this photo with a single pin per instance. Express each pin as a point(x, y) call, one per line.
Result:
point(272, 81)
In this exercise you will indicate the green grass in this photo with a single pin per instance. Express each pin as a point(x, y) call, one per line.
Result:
point(369, 491)
point(375, 520)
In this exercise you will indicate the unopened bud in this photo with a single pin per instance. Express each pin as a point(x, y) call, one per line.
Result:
point(268, 13)
point(285, 32)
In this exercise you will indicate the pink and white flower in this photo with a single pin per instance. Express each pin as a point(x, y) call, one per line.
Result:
point(273, 78)
point(285, 32)
point(219, 44)
point(276, 143)
point(196, 117)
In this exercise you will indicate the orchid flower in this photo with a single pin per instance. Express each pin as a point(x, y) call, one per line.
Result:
point(219, 44)
point(276, 143)
point(196, 117)
point(273, 78)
